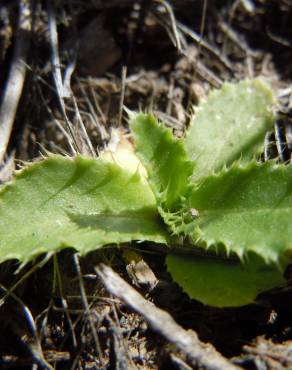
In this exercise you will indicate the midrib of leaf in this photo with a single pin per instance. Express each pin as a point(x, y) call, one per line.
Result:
point(125, 215)
point(219, 211)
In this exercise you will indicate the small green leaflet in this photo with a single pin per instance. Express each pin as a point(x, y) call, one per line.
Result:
point(80, 203)
point(246, 208)
point(165, 159)
point(230, 125)
point(223, 283)
point(239, 210)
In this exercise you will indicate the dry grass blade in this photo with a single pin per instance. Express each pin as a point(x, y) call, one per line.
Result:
point(16, 77)
point(123, 88)
point(25, 328)
point(56, 70)
point(7, 169)
point(56, 63)
point(197, 353)
point(206, 45)
point(87, 309)
point(169, 11)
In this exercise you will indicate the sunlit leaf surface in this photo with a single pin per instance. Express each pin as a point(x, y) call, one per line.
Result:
point(81, 203)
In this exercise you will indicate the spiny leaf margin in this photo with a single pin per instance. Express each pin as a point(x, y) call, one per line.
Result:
point(230, 125)
point(165, 159)
point(81, 203)
point(246, 208)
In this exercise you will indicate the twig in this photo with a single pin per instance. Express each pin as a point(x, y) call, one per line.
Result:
point(63, 299)
point(279, 141)
point(87, 309)
point(202, 30)
point(197, 353)
point(28, 332)
point(169, 10)
point(35, 267)
point(56, 70)
point(56, 64)
point(204, 44)
point(239, 40)
point(122, 98)
point(84, 133)
point(16, 77)
point(91, 110)
point(7, 169)
point(204, 72)
point(66, 134)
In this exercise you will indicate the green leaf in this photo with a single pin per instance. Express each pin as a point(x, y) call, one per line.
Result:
point(230, 125)
point(81, 203)
point(244, 208)
point(223, 283)
point(164, 157)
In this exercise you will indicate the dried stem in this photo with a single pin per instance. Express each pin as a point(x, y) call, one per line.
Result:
point(16, 77)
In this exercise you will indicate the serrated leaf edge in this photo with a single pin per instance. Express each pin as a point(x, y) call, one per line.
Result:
point(177, 224)
point(161, 195)
point(42, 163)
